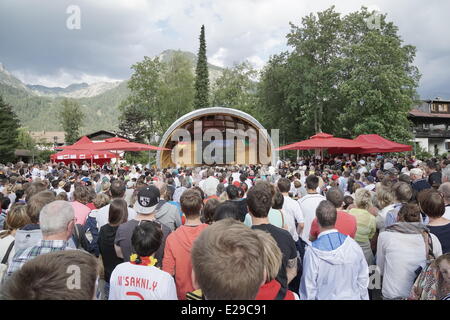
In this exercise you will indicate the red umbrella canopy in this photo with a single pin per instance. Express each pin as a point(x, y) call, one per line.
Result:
point(122, 144)
point(81, 155)
point(114, 144)
point(380, 144)
point(323, 141)
point(374, 144)
point(83, 144)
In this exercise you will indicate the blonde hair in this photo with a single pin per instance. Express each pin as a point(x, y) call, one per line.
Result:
point(17, 218)
point(272, 255)
point(227, 261)
point(385, 196)
point(363, 199)
point(62, 196)
point(101, 200)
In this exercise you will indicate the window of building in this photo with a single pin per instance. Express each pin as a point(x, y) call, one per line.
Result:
point(426, 126)
point(438, 127)
point(443, 108)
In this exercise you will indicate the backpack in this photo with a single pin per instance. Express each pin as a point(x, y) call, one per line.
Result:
point(80, 238)
point(425, 286)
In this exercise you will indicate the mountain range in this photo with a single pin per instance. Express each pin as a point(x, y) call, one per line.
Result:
point(37, 106)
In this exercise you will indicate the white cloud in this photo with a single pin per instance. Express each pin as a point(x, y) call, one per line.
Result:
point(61, 79)
point(218, 58)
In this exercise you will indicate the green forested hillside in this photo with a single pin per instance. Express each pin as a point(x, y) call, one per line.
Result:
point(40, 113)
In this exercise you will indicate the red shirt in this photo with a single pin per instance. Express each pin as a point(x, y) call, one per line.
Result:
point(91, 206)
point(345, 224)
point(269, 291)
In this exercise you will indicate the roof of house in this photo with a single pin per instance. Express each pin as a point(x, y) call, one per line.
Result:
point(103, 134)
point(48, 136)
point(22, 153)
point(418, 113)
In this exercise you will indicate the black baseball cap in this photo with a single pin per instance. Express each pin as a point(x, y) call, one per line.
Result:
point(147, 200)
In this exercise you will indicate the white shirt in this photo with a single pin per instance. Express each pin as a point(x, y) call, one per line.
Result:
point(4, 245)
point(447, 212)
point(128, 195)
point(292, 212)
point(177, 182)
point(362, 170)
point(308, 205)
point(136, 282)
point(370, 187)
point(398, 256)
point(103, 215)
point(35, 172)
point(59, 190)
point(381, 217)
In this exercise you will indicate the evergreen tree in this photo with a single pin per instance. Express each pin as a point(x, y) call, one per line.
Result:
point(71, 117)
point(9, 125)
point(201, 75)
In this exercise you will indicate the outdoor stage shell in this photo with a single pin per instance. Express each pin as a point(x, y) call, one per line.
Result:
point(212, 118)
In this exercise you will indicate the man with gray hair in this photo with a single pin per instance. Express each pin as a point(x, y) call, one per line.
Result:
point(57, 221)
point(444, 189)
point(419, 183)
point(334, 266)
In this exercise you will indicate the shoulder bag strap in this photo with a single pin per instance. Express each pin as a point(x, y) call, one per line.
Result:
point(77, 234)
point(428, 246)
point(6, 256)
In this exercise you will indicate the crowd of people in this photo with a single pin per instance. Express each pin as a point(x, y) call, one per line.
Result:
point(311, 229)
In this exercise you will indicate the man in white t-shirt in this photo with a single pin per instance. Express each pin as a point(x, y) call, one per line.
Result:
point(362, 167)
point(291, 210)
point(35, 173)
point(117, 191)
point(139, 279)
point(308, 205)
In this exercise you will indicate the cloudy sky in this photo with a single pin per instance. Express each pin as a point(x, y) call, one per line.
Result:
point(37, 46)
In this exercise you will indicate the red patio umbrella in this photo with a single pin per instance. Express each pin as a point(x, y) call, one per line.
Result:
point(116, 143)
point(67, 155)
point(323, 141)
point(375, 144)
point(121, 144)
point(81, 150)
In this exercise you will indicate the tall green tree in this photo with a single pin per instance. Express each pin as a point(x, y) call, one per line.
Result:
point(236, 88)
point(161, 92)
point(176, 93)
point(25, 140)
point(346, 77)
point(71, 119)
point(201, 75)
point(9, 125)
point(139, 112)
